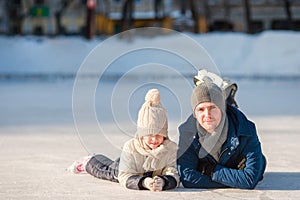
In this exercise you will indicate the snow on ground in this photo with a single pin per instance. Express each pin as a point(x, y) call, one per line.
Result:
point(38, 138)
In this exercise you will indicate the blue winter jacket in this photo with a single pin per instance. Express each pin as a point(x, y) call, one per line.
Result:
point(241, 140)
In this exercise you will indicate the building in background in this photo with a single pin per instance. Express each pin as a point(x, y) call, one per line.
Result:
point(253, 15)
point(43, 17)
point(89, 17)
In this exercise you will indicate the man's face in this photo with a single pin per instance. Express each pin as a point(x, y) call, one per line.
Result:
point(208, 115)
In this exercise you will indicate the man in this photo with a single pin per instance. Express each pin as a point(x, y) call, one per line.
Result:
point(218, 145)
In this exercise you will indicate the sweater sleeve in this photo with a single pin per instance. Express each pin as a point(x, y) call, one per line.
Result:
point(135, 182)
point(128, 176)
point(131, 175)
point(170, 172)
point(170, 182)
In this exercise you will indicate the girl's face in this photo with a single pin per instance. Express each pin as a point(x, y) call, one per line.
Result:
point(153, 141)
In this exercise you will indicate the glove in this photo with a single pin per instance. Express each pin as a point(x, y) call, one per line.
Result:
point(148, 183)
point(242, 163)
point(158, 184)
point(154, 184)
point(207, 167)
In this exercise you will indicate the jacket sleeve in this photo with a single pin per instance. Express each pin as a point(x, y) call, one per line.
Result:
point(254, 169)
point(170, 172)
point(169, 175)
point(187, 163)
point(129, 177)
point(135, 182)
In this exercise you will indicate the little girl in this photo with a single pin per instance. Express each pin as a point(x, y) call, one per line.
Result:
point(148, 161)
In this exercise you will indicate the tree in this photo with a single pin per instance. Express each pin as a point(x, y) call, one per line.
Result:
point(127, 15)
point(58, 15)
point(15, 16)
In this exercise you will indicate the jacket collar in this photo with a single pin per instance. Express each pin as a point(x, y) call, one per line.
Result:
point(240, 125)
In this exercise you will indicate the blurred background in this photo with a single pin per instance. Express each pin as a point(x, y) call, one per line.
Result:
point(108, 17)
point(43, 43)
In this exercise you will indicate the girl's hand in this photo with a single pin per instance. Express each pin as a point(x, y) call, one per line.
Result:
point(148, 183)
point(158, 184)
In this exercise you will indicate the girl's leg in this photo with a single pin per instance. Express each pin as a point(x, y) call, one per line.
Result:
point(104, 168)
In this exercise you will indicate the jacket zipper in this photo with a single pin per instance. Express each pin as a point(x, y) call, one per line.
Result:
point(223, 152)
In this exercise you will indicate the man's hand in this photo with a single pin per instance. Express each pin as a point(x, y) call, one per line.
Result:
point(242, 163)
point(207, 168)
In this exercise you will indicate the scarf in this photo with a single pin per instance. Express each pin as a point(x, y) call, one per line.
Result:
point(211, 143)
point(154, 157)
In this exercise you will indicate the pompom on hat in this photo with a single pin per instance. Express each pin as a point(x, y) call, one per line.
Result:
point(152, 117)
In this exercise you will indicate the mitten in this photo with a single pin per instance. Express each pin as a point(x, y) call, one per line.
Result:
point(158, 184)
point(148, 183)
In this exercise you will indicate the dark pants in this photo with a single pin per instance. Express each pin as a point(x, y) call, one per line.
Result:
point(104, 168)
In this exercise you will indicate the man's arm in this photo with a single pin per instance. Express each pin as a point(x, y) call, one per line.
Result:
point(251, 174)
point(187, 164)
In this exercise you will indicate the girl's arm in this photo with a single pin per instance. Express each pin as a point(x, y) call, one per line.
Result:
point(129, 176)
point(170, 173)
